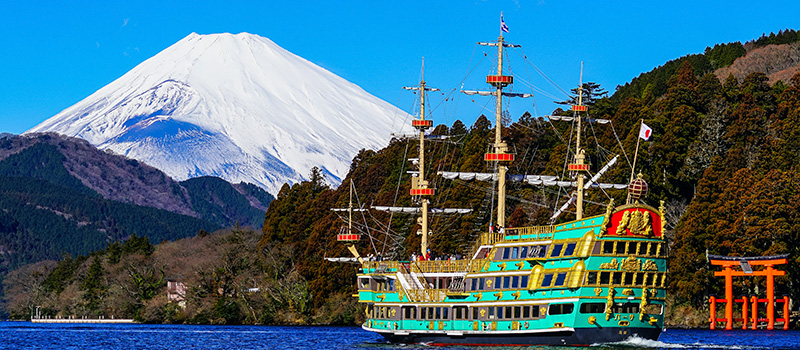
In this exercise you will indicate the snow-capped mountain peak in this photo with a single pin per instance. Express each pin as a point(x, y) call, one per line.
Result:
point(235, 106)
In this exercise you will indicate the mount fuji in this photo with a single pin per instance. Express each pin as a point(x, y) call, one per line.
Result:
point(239, 107)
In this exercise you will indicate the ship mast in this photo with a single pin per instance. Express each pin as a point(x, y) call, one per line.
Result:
point(500, 154)
point(419, 186)
point(580, 156)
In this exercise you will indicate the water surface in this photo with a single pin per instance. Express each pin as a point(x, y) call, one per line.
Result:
point(24, 335)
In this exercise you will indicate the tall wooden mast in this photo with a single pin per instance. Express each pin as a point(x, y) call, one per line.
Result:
point(419, 186)
point(580, 166)
point(500, 154)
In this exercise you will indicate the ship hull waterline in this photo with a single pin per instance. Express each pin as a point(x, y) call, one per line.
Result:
point(564, 336)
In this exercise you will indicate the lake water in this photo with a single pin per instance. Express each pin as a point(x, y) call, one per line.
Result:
point(24, 335)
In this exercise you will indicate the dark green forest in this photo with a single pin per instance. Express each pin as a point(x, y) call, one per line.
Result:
point(723, 158)
point(47, 213)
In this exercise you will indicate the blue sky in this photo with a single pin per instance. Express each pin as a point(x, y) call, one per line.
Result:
point(55, 53)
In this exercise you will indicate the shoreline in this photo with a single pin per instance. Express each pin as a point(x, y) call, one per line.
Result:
point(83, 320)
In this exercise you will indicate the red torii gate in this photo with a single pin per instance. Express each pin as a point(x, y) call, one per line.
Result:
point(728, 262)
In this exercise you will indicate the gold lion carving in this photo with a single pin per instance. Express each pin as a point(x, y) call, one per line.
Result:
point(611, 265)
point(631, 264)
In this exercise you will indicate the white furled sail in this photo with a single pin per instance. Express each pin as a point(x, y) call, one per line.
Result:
point(546, 180)
point(562, 118)
point(419, 210)
point(491, 93)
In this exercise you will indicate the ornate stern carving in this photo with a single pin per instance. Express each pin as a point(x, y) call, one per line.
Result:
point(520, 265)
point(662, 211)
point(649, 265)
point(611, 265)
point(627, 291)
point(502, 266)
point(516, 295)
point(610, 303)
point(631, 264)
point(478, 296)
point(643, 304)
point(607, 218)
point(499, 295)
point(598, 291)
point(623, 223)
point(382, 297)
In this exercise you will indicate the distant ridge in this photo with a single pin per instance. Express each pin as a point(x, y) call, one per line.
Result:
point(238, 107)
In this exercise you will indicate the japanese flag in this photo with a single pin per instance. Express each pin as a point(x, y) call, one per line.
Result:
point(645, 132)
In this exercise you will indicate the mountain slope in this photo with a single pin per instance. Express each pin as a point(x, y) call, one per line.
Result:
point(75, 164)
point(234, 106)
point(62, 195)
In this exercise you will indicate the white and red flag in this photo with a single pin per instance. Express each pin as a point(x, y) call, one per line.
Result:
point(645, 132)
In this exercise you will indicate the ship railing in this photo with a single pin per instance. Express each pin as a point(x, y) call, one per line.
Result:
point(427, 295)
point(448, 266)
point(381, 266)
point(531, 233)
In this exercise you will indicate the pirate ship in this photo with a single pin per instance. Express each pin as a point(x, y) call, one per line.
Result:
point(593, 279)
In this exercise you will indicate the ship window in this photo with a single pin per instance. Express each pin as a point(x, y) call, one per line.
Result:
point(561, 309)
point(538, 251)
point(608, 247)
point(491, 313)
point(629, 278)
point(480, 284)
point(620, 248)
point(473, 284)
point(591, 278)
point(593, 308)
point(430, 313)
point(556, 250)
point(535, 311)
point(460, 312)
point(548, 278)
point(560, 278)
point(616, 277)
point(652, 249)
point(517, 312)
point(515, 282)
point(526, 311)
point(391, 285)
point(605, 277)
point(508, 313)
point(640, 279)
point(506, 252)
point(626, 308)
point(498, 282)
point(446, 313)
point(476, 313)
point(570, 249)
point(514, 252)
point(523, 282)
point(523, 252)
point(507, 282)
point(409, 312)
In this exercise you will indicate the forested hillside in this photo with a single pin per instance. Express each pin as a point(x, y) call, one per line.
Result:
point(723, 158)
point(61, 195)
